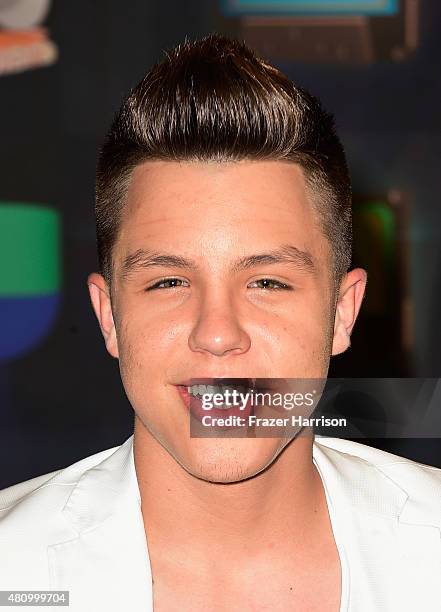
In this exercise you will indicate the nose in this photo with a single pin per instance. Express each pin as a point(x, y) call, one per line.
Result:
point(218, 330)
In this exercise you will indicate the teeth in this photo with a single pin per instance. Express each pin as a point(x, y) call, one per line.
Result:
point(211, 389)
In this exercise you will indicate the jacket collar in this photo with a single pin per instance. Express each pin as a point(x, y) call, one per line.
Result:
point(388, 545)
point(101, 489)
point(358, 482)
point(106, 566)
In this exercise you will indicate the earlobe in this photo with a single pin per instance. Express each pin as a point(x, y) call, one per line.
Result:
point(349, 301)
point(102, 306)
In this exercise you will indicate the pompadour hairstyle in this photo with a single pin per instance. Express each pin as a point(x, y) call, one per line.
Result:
point(213, 99)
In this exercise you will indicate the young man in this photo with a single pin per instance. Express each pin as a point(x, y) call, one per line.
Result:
point(224, 234)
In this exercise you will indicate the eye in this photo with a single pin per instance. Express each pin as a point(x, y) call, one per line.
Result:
point(266, 281)
point(164, 281)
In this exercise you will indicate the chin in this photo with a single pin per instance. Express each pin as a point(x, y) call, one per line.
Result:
point(229, 460)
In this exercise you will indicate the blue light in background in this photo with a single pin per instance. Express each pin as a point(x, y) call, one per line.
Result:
point(235, 8)
point(30, 275)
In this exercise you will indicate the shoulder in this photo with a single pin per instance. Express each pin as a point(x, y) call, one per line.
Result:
point(420, 483)
point(49, 490)
point(372, 455)
point(369, 453)
point(349, 451)
point(39, 513)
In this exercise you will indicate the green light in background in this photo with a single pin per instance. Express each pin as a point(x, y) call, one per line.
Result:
point(375, 249)
point(29, 249)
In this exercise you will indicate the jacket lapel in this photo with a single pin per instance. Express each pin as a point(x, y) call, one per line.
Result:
point(391, 550)
point(106, 567)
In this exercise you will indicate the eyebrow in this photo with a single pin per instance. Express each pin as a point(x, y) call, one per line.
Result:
point(286, 254)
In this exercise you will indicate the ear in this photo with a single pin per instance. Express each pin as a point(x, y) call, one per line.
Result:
point(349, 300)
point(100, 298)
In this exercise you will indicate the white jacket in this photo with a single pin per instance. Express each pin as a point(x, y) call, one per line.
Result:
point(80, 529)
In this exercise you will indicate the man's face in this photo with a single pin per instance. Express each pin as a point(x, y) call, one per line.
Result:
point(216, 318)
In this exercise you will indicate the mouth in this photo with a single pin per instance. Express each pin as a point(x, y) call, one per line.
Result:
point(242, 385)
point(192, 391)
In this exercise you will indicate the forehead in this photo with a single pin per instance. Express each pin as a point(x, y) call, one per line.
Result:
point(195, 205)
point(195, 180)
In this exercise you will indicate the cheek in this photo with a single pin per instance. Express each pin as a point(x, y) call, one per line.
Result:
point(306, 343)
point(308, 328)
point(129, 363)
point(136, 345)
point(308, 336)
point(145, 348)
point(139, 337)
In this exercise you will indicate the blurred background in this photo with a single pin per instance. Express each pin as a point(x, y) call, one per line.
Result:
point(64, 69)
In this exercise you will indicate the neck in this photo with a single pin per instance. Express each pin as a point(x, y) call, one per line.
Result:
point(283, 504)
